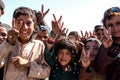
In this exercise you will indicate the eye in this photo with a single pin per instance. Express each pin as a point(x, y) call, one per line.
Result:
point(96, 48)
point(118, 23)
point(87, 48)
point(28, 23)
point(3, 34)
point(110, 25)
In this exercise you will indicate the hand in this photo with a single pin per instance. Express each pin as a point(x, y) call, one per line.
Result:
point(41, 14)
point(107, 39)
point(57, 25)
point(92, 35)
point(85, 58)
point(84, 37)
point(14, 33)
point(20, 62)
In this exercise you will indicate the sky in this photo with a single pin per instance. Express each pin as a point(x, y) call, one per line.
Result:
point(77, 15)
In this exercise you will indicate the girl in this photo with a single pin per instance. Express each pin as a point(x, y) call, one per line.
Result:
point(88, 72)
point(63, 66)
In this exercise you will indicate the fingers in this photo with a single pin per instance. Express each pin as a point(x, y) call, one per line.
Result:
point(105, 32)
point(60, 19)
point(81, 33)
point(42, 8)
point(54, 17)
point(18, 26)
point(46, 12)
point(13, 23)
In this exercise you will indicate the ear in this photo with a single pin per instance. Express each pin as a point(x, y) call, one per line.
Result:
point(2, 12)
point(35, 25)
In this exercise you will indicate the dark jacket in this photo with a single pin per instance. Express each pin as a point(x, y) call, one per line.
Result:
point(107, 62)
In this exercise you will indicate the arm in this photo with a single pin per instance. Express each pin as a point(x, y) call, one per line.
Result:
point(103, 60)
point(5, 49)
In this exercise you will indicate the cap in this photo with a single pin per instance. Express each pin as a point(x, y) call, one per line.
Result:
point(97, 27)
point(45, 28)
point(2, 5)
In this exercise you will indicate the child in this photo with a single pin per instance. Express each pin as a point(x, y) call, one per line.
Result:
point(25, 56)
point(4, 28)
point(99, 31)
point(109, 53)
point(63, 66)
point(88, 72)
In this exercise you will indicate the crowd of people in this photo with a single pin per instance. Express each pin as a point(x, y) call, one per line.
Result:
point(31, 50)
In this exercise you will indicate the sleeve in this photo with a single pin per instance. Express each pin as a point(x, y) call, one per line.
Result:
point(103, 60)
point(5, 49)
point(84, 74)
point(38, 67)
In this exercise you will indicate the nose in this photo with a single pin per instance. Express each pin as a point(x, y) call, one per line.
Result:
point(24, 26)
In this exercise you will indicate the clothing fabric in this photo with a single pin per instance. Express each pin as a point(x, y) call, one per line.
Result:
point(32, 51)
point(91, 75)
point(107, 62)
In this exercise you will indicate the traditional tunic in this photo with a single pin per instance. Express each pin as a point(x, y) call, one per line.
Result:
point(32, 51)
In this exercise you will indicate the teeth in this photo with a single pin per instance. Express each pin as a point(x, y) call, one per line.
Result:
point(24, 32)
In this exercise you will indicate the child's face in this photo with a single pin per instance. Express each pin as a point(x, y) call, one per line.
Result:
point(43, 35)
point(3, 34)
point(27, 27)
point(100, 34)
point(114, 23)
point(93, 47)
point(64, 57)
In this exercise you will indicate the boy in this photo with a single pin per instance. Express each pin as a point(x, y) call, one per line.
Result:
point(109, 53)
point(24, 57)
point(99, 31)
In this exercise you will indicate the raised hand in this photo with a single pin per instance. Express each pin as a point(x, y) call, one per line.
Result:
point(14, 33)
point(107, 39)
point(41, 14)
point(92, 35)
point(84, 37)
point(57, 25)
point(85, 58)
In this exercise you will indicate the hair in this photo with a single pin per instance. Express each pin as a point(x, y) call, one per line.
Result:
point(24, 11)
point(109, 13)
point(65, 44)
point(6, 26)
point(75, 33)
point(93, 40)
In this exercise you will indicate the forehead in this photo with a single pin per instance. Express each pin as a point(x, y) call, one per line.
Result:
point(113, 19)
point(91, 43)
point(24, 18)
point(2, 28)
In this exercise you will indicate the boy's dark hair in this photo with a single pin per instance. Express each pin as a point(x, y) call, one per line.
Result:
point(24, 11)
point(65, 44)
point(74, 33)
